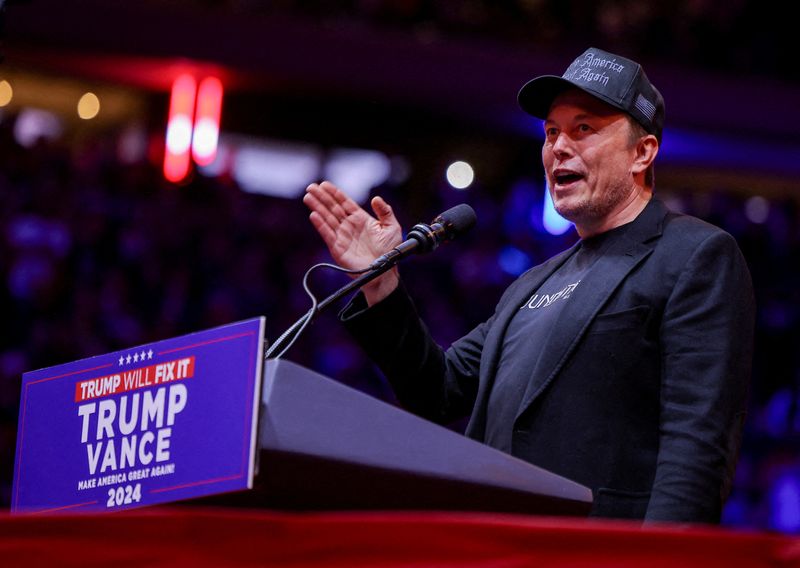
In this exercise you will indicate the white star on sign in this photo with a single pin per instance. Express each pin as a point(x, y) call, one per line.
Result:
point(128, 359)
point(150, 354)
point(135, 357)
point(141, 355)
point(121, 360)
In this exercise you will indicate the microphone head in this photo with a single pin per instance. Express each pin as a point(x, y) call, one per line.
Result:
point(445, 227)
point(457, 220)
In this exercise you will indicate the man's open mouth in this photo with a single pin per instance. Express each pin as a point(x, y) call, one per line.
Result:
point(566, 177)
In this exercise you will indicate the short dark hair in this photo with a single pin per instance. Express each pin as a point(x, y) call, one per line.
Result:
point(637, 131)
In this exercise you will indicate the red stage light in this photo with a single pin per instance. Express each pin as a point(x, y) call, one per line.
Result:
point(179, 128)
point(206, 122)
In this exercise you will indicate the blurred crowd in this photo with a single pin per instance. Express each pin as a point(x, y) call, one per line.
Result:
point(99, 254)
point(742, 36)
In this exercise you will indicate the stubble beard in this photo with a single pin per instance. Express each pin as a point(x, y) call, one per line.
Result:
point(594, 208)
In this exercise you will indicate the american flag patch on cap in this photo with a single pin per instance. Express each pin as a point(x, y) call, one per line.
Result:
point(645, 107)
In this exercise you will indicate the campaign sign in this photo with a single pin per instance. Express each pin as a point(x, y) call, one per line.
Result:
point(161, 422)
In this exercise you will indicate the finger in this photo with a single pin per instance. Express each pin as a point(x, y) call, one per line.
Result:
point(341, 197)
point(322, 210)
point(325, 196)
point(328, 235)
point(324, 213)
point(383, 211)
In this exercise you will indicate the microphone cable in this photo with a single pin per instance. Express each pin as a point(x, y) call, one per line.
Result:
point(300, 325)
point(421, 239)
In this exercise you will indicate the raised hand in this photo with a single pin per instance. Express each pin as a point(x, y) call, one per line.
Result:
point(354, 237)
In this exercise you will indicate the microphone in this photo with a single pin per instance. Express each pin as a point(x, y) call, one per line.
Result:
point(423, 238)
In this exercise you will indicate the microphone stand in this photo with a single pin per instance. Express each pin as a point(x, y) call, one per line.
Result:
point(290, 333)
point(421, 238)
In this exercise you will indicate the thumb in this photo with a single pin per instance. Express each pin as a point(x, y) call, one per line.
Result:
point(383, 211)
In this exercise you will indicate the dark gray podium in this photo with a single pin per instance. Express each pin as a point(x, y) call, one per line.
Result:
point(327, 446)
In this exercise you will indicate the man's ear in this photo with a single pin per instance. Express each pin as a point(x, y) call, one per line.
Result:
point(646, 152)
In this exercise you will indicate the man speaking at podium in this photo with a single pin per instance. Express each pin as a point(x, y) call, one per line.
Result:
point(621, 363)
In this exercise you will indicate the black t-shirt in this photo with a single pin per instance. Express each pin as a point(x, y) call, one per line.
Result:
point(528, 332)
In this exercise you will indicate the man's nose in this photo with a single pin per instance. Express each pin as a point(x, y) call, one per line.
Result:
point(562, 147)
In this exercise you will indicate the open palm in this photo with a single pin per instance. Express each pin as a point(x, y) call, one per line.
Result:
point(353, 236)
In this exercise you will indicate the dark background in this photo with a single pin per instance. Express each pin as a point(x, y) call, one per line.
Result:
point(98, 252)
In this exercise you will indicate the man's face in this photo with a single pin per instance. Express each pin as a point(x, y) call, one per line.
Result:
point(587, 157)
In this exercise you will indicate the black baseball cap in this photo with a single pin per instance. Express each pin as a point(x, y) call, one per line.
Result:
point(616, 80)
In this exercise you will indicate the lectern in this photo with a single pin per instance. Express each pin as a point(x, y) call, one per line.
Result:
point(324, 445)
point(198, 415)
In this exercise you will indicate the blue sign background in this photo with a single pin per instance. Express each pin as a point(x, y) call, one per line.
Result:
point(211, 443)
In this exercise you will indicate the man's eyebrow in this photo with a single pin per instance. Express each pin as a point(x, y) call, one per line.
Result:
point(577, 117)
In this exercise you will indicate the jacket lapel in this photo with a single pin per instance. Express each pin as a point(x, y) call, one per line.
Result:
point(604, 277)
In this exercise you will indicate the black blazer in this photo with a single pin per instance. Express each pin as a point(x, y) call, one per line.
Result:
point(640, 390)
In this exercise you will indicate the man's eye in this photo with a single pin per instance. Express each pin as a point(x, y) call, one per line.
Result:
point(584, 128)
point(550, 132)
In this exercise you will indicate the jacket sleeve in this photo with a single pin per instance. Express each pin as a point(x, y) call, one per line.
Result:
point(707, 342)
point(436, 384)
